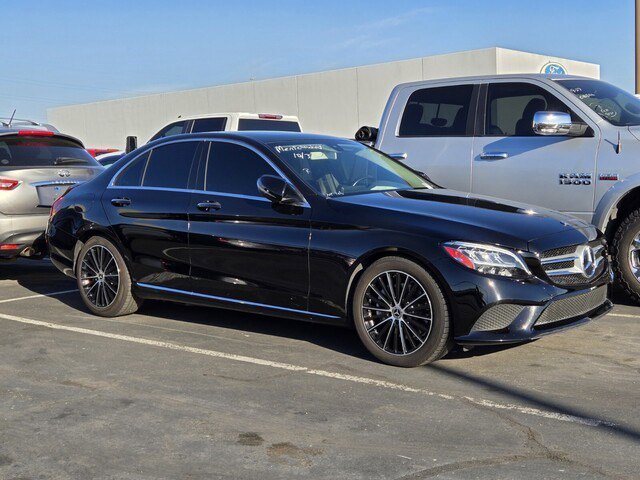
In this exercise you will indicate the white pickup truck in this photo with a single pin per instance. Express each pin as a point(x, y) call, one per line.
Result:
point(563, 142)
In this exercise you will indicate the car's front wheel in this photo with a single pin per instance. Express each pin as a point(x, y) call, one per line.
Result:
point(103, 279)
point(400, 313)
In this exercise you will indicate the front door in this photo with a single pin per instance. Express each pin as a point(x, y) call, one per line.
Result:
point(147, 207)
point(510, 161)
point(243, 248)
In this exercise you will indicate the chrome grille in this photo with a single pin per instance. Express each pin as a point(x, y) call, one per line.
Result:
point(564, 266)
point(497, 318)
point(574, 306)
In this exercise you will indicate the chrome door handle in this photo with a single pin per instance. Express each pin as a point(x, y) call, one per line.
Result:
point(398, 156)
point(120, 202)
point(208, 206)
point(494, 155)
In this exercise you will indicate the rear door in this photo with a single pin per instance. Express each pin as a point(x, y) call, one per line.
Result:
point(511, 161)
point(38, 167)
point(147, 205)
point(430, 129)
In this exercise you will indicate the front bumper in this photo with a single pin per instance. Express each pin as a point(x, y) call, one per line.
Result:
point(515, 323)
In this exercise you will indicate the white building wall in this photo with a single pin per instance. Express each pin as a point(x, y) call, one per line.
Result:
point(336, 102)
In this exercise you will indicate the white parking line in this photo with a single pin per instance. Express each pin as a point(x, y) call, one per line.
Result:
point(625, 315)
point(52, 294)
point(322, 373)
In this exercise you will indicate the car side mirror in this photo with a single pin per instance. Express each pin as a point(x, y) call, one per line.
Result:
point(131, 144)
point(552, 123)
point(279, 191)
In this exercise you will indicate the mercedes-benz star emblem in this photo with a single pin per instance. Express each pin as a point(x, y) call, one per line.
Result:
point(64, 173)
point(587, 261)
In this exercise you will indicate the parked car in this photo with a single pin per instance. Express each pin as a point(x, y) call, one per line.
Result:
point(97, 152)
point(36, 166)
point(221, 122)
point(567, 143)
point(329, 230)
point(108, 159)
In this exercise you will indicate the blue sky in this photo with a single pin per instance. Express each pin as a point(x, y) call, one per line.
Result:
point(66, 51)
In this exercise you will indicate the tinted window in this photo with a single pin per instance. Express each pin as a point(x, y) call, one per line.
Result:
point(36, 151)
point(109, 160)
point(175, 128)
point(611, 103)
point(169, 165)
point(511, 107)
point(131, 176)
point(441, 111)
point(271, 125)
point(235, 169)
point(333, 167)
point(209, 125)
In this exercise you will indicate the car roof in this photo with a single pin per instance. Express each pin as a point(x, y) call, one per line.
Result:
point(235, 114)
point(6, 132)
point(514, 76)
point(252, 136)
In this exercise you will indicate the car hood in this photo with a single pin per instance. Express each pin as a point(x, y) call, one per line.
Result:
point(469, 217)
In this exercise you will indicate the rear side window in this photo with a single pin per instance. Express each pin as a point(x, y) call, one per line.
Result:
point(437, 112)
point(235, 169)
point(169, 165)
point(217, 124)
point(24, 151)
point(271, 125)
point(175, 128)
point(511, 107)
point(131, 176)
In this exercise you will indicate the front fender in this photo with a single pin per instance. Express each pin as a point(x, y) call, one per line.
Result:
point(607, 204)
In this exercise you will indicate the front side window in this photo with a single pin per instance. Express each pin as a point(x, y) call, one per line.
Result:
point(175, 128)
point(333, 167)
point(169, 165)
point(436, 112)
point(235, 169)
point(616, 106)
point(511, 107)
point(216, 124)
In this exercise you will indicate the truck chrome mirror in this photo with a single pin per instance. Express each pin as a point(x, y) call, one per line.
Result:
point(552, 123)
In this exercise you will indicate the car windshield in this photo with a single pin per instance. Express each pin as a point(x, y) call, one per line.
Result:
point(615, 105)
point(334, 167)
point(26, 151)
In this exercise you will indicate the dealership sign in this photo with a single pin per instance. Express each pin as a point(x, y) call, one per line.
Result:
point(553, 68)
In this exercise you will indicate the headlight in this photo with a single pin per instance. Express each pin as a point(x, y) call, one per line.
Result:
point(488, 259)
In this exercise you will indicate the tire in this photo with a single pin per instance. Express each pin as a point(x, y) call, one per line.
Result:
point(419, 297)
point(622, 261)
point(104, 281)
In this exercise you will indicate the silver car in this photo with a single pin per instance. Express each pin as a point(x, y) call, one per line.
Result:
point(37, 165)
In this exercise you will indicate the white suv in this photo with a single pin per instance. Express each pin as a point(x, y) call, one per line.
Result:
point(220, 122)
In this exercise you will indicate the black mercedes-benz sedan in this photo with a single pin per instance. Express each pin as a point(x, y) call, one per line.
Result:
point(327, 230)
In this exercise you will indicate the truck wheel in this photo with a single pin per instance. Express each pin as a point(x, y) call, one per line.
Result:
point(400, 313)
point(625, 254)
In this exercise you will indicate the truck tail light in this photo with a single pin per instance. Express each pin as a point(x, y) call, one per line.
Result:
point(269, 116)
point(8, 183)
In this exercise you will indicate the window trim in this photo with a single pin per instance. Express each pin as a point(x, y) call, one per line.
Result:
point(471, 114)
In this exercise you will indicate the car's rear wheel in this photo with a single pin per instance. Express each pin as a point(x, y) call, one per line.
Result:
point(103, 279)
point(400, 313)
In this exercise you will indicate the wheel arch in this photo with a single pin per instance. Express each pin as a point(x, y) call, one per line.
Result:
point(85, 234)
point(617, 203)
point(367, 259)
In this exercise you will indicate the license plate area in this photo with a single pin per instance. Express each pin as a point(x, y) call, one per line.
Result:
point(47, 194)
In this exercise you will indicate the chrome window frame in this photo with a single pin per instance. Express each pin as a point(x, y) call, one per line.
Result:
point(277, 170)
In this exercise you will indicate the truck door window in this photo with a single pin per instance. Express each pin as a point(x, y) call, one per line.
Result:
point(216, 124)
point(511, 107)
point(175, 128)
point(437, 112)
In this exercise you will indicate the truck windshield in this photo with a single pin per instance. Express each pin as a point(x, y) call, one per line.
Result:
point(616, 106)
point(333, 167)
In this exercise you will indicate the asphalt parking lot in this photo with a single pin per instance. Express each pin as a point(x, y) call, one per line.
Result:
point(197, 393)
